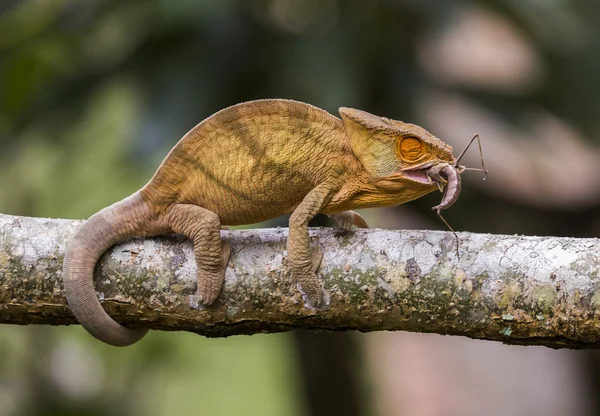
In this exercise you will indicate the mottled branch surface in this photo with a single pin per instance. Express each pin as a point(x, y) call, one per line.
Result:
point(515, 289)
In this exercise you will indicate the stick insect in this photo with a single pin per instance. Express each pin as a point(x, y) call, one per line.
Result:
point(448, 179)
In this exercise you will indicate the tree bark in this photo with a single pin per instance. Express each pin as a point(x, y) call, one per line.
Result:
point(514, 289)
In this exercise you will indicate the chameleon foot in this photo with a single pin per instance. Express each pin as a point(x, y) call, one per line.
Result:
point(309, 284)
point(210, 282)
point(347, 219)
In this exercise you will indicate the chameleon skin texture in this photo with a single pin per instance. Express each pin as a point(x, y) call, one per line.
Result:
point(246, 164)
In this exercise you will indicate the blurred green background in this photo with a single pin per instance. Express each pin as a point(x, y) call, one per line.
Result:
point(93, 94)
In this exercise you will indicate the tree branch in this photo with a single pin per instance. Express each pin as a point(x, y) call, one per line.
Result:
point(520, 290)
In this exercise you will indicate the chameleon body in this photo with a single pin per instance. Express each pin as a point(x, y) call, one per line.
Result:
point(249, 163)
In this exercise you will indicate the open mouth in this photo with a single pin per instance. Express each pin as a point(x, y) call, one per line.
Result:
point(419, 174)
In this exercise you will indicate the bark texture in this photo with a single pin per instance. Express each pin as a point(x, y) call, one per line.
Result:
point(514, 289)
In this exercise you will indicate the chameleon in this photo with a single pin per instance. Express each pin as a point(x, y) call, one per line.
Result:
point(249, 163)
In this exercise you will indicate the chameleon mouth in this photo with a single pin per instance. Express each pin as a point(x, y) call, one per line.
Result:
point(419, 174)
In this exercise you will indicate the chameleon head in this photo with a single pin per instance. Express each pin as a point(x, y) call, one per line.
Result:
point(397, 155)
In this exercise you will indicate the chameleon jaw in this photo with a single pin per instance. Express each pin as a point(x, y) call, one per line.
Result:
point(419, 174)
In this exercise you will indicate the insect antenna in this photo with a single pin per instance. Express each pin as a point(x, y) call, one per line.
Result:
point(476, 170)
point(482, 169)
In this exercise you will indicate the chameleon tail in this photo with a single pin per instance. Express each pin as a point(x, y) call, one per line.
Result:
point(124, 219)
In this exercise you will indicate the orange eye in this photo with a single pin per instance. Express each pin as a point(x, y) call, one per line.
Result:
point(410, 148)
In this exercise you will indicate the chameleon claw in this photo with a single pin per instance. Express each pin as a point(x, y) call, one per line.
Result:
point(309, 302)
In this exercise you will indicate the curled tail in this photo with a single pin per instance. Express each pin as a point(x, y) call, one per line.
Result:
point(124, 219)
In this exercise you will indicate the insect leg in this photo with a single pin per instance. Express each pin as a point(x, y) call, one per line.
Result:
point(439, 213)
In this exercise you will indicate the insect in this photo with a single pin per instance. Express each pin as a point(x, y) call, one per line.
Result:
point(448, 179)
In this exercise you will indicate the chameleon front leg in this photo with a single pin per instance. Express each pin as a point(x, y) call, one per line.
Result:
point(347, 219)
point(304, 264)
point(203, 228)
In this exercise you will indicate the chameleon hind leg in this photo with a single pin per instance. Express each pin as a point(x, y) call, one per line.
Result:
point(203, 228)
point(347, 219)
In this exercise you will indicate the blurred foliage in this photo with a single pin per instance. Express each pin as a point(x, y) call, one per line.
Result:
point(63, 371)
point(93, 94)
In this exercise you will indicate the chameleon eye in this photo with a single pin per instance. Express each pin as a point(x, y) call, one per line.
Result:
point(410, 148)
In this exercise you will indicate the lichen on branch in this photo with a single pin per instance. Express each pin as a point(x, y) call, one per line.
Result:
point(514, 289)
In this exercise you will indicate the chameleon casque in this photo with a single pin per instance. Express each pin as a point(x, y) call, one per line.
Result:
point(249, 163)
